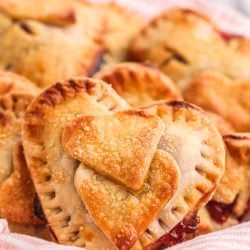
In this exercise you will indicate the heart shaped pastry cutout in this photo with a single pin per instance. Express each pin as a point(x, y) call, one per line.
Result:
point(120, 146)
point(122, 215)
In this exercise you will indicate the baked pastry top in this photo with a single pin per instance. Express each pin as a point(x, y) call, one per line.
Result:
point(182, 42)
point(50, 11)
point(120, 147)
point(215, 92)
point(139, 84)
point(46, 53)
point(139, 179)
point(194, 142)
point(121, 26)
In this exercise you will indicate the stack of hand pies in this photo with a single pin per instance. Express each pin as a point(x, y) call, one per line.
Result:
point(118, 133)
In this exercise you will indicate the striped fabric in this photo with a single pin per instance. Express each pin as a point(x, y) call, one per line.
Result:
point(228, 19)
point(234, 238)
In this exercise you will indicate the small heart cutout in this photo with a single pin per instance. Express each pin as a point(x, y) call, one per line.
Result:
point(120, 214)
point(120, 146)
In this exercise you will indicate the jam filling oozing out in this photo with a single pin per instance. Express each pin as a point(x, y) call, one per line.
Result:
point(38, 211)
point(176, 235)
point(220, 212)
point(228, 36)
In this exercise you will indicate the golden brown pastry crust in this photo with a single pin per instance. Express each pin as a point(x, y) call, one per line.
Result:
point(16, 189)
point(124, 215)
point(120, 147)
point(55, 12)
point(238, 145)
point(17, 193)
point(228, 98)
point(51, 170)
point(182, 41)
point(234, 186)
point(196, 145)
point(11, 83)
point(12, 108)
point(47, 53)
point(122, 24)
point(231, 182)
point(139, 84)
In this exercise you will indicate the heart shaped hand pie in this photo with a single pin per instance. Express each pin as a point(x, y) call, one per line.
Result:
point(120, 146)
point(194, 142)
point(34, 49)
point(215, 92)
point(51, 169)
point(124, 216)
point(139, 84)
point(182, 42)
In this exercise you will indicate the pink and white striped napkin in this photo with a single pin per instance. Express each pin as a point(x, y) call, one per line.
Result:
point(234, 238)
point(228, 19)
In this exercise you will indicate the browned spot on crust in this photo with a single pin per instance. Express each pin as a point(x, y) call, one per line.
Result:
point(138, 112)
point(236, 137)
point(3, 119)
point(26, 28)
point(118, 76)
point(88, 234)
point(125, 242)
point(70, 16)
point(59, 91)
point(181, 104)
